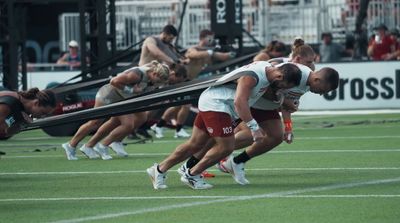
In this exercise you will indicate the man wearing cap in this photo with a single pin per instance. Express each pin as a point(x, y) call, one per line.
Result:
point(381, 45)
point(71, 58)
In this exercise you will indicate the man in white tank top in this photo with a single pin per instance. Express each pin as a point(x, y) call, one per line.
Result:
point(265, 112)
point(219, 107)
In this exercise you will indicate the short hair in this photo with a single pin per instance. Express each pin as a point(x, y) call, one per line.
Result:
point(291, 73)
point(331, 76)
point(170, 29)
point(180, 70)
point(328, 34)
point(205, 32)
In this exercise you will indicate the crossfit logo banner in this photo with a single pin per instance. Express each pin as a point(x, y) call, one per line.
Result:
point(363, 85)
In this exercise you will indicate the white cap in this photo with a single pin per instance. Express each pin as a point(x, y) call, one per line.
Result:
point(73, 43)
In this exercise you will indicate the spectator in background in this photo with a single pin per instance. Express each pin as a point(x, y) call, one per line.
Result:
point(273, 50)
point(395, 36)
point(381, 46)
point(72, 58)
point(330, 51)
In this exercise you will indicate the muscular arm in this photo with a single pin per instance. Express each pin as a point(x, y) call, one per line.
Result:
point(128, 77)
point(151, 45)
point(244, 87)
point(193, 53)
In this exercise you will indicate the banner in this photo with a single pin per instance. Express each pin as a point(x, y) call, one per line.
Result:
point(363, 85)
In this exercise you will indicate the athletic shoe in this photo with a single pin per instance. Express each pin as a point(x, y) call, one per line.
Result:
point(207, 174)
point(236, 170)
point(158, 130)
point(220, 165)
point(181, 134)
point(118, 148)
point(157, 179)
point(69, 151)
point(102, 150)
point(195, 182)
point(89, 152)
point(182, 169)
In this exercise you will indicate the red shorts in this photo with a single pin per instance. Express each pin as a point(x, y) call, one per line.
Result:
point(263, 115)
point(216, 124)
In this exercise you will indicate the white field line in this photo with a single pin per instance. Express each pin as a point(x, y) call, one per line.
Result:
point(179, 141)
point(277, 151)
point(211, 170)
point(230, 199)
point(196, 197)
point(345, 196)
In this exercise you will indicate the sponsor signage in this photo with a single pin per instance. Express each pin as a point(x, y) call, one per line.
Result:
point(363, 85)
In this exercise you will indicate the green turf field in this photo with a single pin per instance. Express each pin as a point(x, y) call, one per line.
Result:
point(339, 169)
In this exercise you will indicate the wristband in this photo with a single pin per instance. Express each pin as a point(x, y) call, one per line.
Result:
point(253, 125)
point(210, 52)
point(128, 89)
point(288, 125)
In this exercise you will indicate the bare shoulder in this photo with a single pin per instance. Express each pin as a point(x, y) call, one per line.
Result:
point(9, 93)
point(149, 40)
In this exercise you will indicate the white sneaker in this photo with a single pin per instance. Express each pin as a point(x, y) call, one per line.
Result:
point(181, 134)
point(157, 179)
point(236, 170)
point(69, 151)
point(158, 130)
point(221, 167)
point(102, 150)
point(118, 148)
point(182, 170)
point(195, 182)
point(89, 152)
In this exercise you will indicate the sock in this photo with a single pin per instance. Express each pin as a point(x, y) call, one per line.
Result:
point(161, 123)
point(241, 158)
point(158, 169)
point(178, 127)
point(192, 161)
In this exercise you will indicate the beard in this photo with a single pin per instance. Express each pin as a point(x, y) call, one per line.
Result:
point(274, 85)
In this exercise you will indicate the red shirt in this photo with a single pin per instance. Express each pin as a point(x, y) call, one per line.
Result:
point(382, 48)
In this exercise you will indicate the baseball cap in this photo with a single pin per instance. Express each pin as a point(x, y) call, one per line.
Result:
point(73, 43)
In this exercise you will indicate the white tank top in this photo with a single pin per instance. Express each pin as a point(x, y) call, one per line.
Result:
point(293, 93)
point(221, 98)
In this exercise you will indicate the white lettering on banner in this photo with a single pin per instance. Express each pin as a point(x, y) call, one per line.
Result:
point(221, 11)
point(363, 85)
point(72, 107)
point(238, 7)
